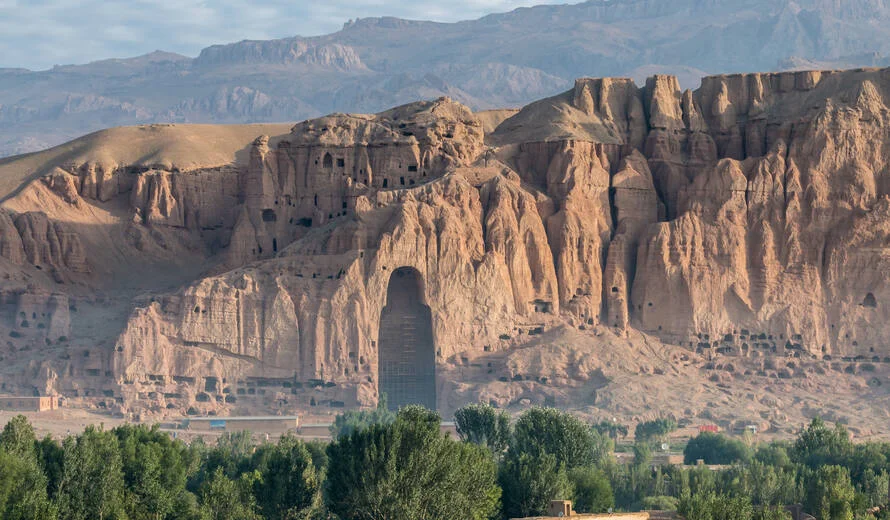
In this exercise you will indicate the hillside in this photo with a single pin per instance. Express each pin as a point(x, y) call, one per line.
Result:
point(622, 251)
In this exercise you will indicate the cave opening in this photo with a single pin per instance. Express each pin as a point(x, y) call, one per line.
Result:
point(406, 353)
point(870, 301)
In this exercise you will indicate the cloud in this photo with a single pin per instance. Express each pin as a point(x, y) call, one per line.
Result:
point(38, 34)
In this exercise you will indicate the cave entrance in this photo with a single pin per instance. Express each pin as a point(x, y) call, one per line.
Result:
point(406, 354)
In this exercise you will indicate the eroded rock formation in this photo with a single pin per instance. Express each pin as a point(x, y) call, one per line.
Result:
point(748, 218)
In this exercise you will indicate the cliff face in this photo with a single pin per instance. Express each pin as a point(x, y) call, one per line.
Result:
point(747, 219)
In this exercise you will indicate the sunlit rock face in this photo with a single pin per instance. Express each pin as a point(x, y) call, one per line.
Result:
point(255, 269)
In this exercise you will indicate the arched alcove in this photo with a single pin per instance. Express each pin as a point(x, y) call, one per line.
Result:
point(328, 161)
point(406, 352)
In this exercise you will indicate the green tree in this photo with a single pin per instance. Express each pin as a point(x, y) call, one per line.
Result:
point(830, 494)
point(548, 430)
point(593, 491)
point(773, 486)
point(656, 430)
point(92, 485)
point(530, 482)
point(410, 469)
point(867, 457)
point(711, 506)
point(23, 489)
point(715, 448)
point(223, 498)
point(155, 469)
point(611, 429)
point(346, 423)
point(642, 454)
point(288, 485)
point(51, 458)
point(773, 454)
point(232, 453)
point(318, 452)
point(17, 437)
point(660, 503)
point(873, 486)
point(819, 445)
point(482, 424)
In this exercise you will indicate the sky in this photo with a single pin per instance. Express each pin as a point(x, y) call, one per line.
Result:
point(37, 34)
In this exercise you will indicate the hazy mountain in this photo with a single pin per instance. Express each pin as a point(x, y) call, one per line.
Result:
point(499, 60)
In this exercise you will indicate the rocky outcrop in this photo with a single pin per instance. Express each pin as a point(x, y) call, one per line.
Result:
point(748, 218)
point(32, 238)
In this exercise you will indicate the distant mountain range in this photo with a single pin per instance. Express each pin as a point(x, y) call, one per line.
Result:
point(499, 60)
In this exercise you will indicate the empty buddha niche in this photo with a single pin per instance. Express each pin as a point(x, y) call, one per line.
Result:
point(407, 358)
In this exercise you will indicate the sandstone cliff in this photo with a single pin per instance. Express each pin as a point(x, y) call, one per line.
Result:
point(745, 221)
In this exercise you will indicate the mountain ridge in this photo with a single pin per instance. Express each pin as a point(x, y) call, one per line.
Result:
point(500, 60)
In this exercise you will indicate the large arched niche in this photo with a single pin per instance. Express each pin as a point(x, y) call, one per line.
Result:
point(406, 361)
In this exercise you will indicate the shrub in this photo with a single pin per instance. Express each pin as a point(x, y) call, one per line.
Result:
point(715, 448)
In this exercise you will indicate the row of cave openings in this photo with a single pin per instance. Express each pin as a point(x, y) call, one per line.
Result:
point(407, 354)
point(359, 175)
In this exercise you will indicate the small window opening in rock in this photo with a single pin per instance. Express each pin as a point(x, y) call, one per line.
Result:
point(650, 304)
point(269, 215)
point(614, 289)
point(341, 163)
point(197, 309)
point(402, 181)
point(385, 182)
point(870, 301)
point(328, 161)
point(275, 245)
point(259, 250)
point(412, 167)
point(344, 204)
